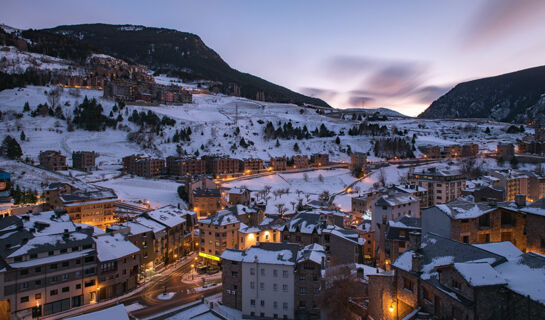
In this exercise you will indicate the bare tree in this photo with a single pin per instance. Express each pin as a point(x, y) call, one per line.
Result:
point(471, 169)
point(307, 197)
point(54, 96)
point(341, 285)
point(293, 203)
point(324, 196)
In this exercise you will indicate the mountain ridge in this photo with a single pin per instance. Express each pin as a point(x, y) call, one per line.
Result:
point(516, 97)
point(179, 54)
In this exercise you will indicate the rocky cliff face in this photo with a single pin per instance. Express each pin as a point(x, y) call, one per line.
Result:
point(512, 97)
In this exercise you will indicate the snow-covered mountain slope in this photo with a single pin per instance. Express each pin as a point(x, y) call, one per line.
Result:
point(14, 61)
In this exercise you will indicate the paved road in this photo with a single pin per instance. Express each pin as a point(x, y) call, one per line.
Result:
point(184, 294)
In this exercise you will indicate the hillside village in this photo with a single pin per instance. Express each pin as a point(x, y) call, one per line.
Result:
point(171, 198)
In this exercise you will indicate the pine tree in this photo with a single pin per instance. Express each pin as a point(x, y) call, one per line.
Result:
point(10, 148)
point(296, 147)
point(338, 140)
point(277, 143)
point(26, 108)
point(23, 136)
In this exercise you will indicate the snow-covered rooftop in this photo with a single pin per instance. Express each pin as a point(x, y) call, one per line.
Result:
point(116, 312)
point(479, 274)
point(169, 215)
point(505, 249)
point(114, 246)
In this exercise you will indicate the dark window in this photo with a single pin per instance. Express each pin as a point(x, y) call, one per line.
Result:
point(484, 221)
point(38, 269)
point(24, 299)
point(465, 239)
point(407, 284)
point(426, 294)
point(65, 289)
point(53, 292)
point(507, 219)
point(89, 283)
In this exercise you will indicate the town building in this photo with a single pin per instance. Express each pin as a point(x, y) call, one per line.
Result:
point(274, 280)
point(220, 165)
point(118, 265)
point(309, 267)
point(258, 233)
point(142, 237)
point(84, 160)
point(143, 166)
point(442, 185)
point(239, 196)
point(268, 280)
point(279, 163)
point(431, 151)
point(358, 160)
point(94, 207)
point(513, 182)
point(180, 226)
point(439, 278)
point(53, 191)
point(394, 238)
point(217, 233)
point(505, 151)
point(207, 201)
point(416, 191)
point(251, 165)
point(52, 160)
point(157, 240)
point(343, 246)
point(363, 205)
point(300, 161)
point(395, 205)
point(481, 222)
point(48, 265)
point(181, 166)
point(470, 150)
point(319, 159)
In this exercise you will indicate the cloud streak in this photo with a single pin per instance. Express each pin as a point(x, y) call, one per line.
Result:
point(497, 18)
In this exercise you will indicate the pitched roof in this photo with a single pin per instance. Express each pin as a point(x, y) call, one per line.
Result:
point(169, 215)
point(222, 218)
point(439, 251)
point(114, 246)
point(479, 274)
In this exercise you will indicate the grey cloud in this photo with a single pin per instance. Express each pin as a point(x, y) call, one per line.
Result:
point(359, 101)
point(319, 92)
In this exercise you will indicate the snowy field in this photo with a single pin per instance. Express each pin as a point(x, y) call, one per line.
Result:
point(157, 192)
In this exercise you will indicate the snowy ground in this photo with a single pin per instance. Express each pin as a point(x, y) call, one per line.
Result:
point(157, 192)
point(213, 120)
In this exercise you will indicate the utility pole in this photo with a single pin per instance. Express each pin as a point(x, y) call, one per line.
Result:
point(236, 115)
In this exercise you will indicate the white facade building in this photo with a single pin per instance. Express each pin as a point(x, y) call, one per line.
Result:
point(268, 281)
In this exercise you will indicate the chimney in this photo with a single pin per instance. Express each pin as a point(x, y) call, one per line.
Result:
point(416, 264)
point(415, 239)
point(492, 202)
point(520, 200)
point(323, 262)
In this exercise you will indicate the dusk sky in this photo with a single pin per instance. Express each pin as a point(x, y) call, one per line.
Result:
point(396, 54)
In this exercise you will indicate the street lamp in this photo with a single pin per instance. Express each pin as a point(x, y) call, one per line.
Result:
point(192, 268)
